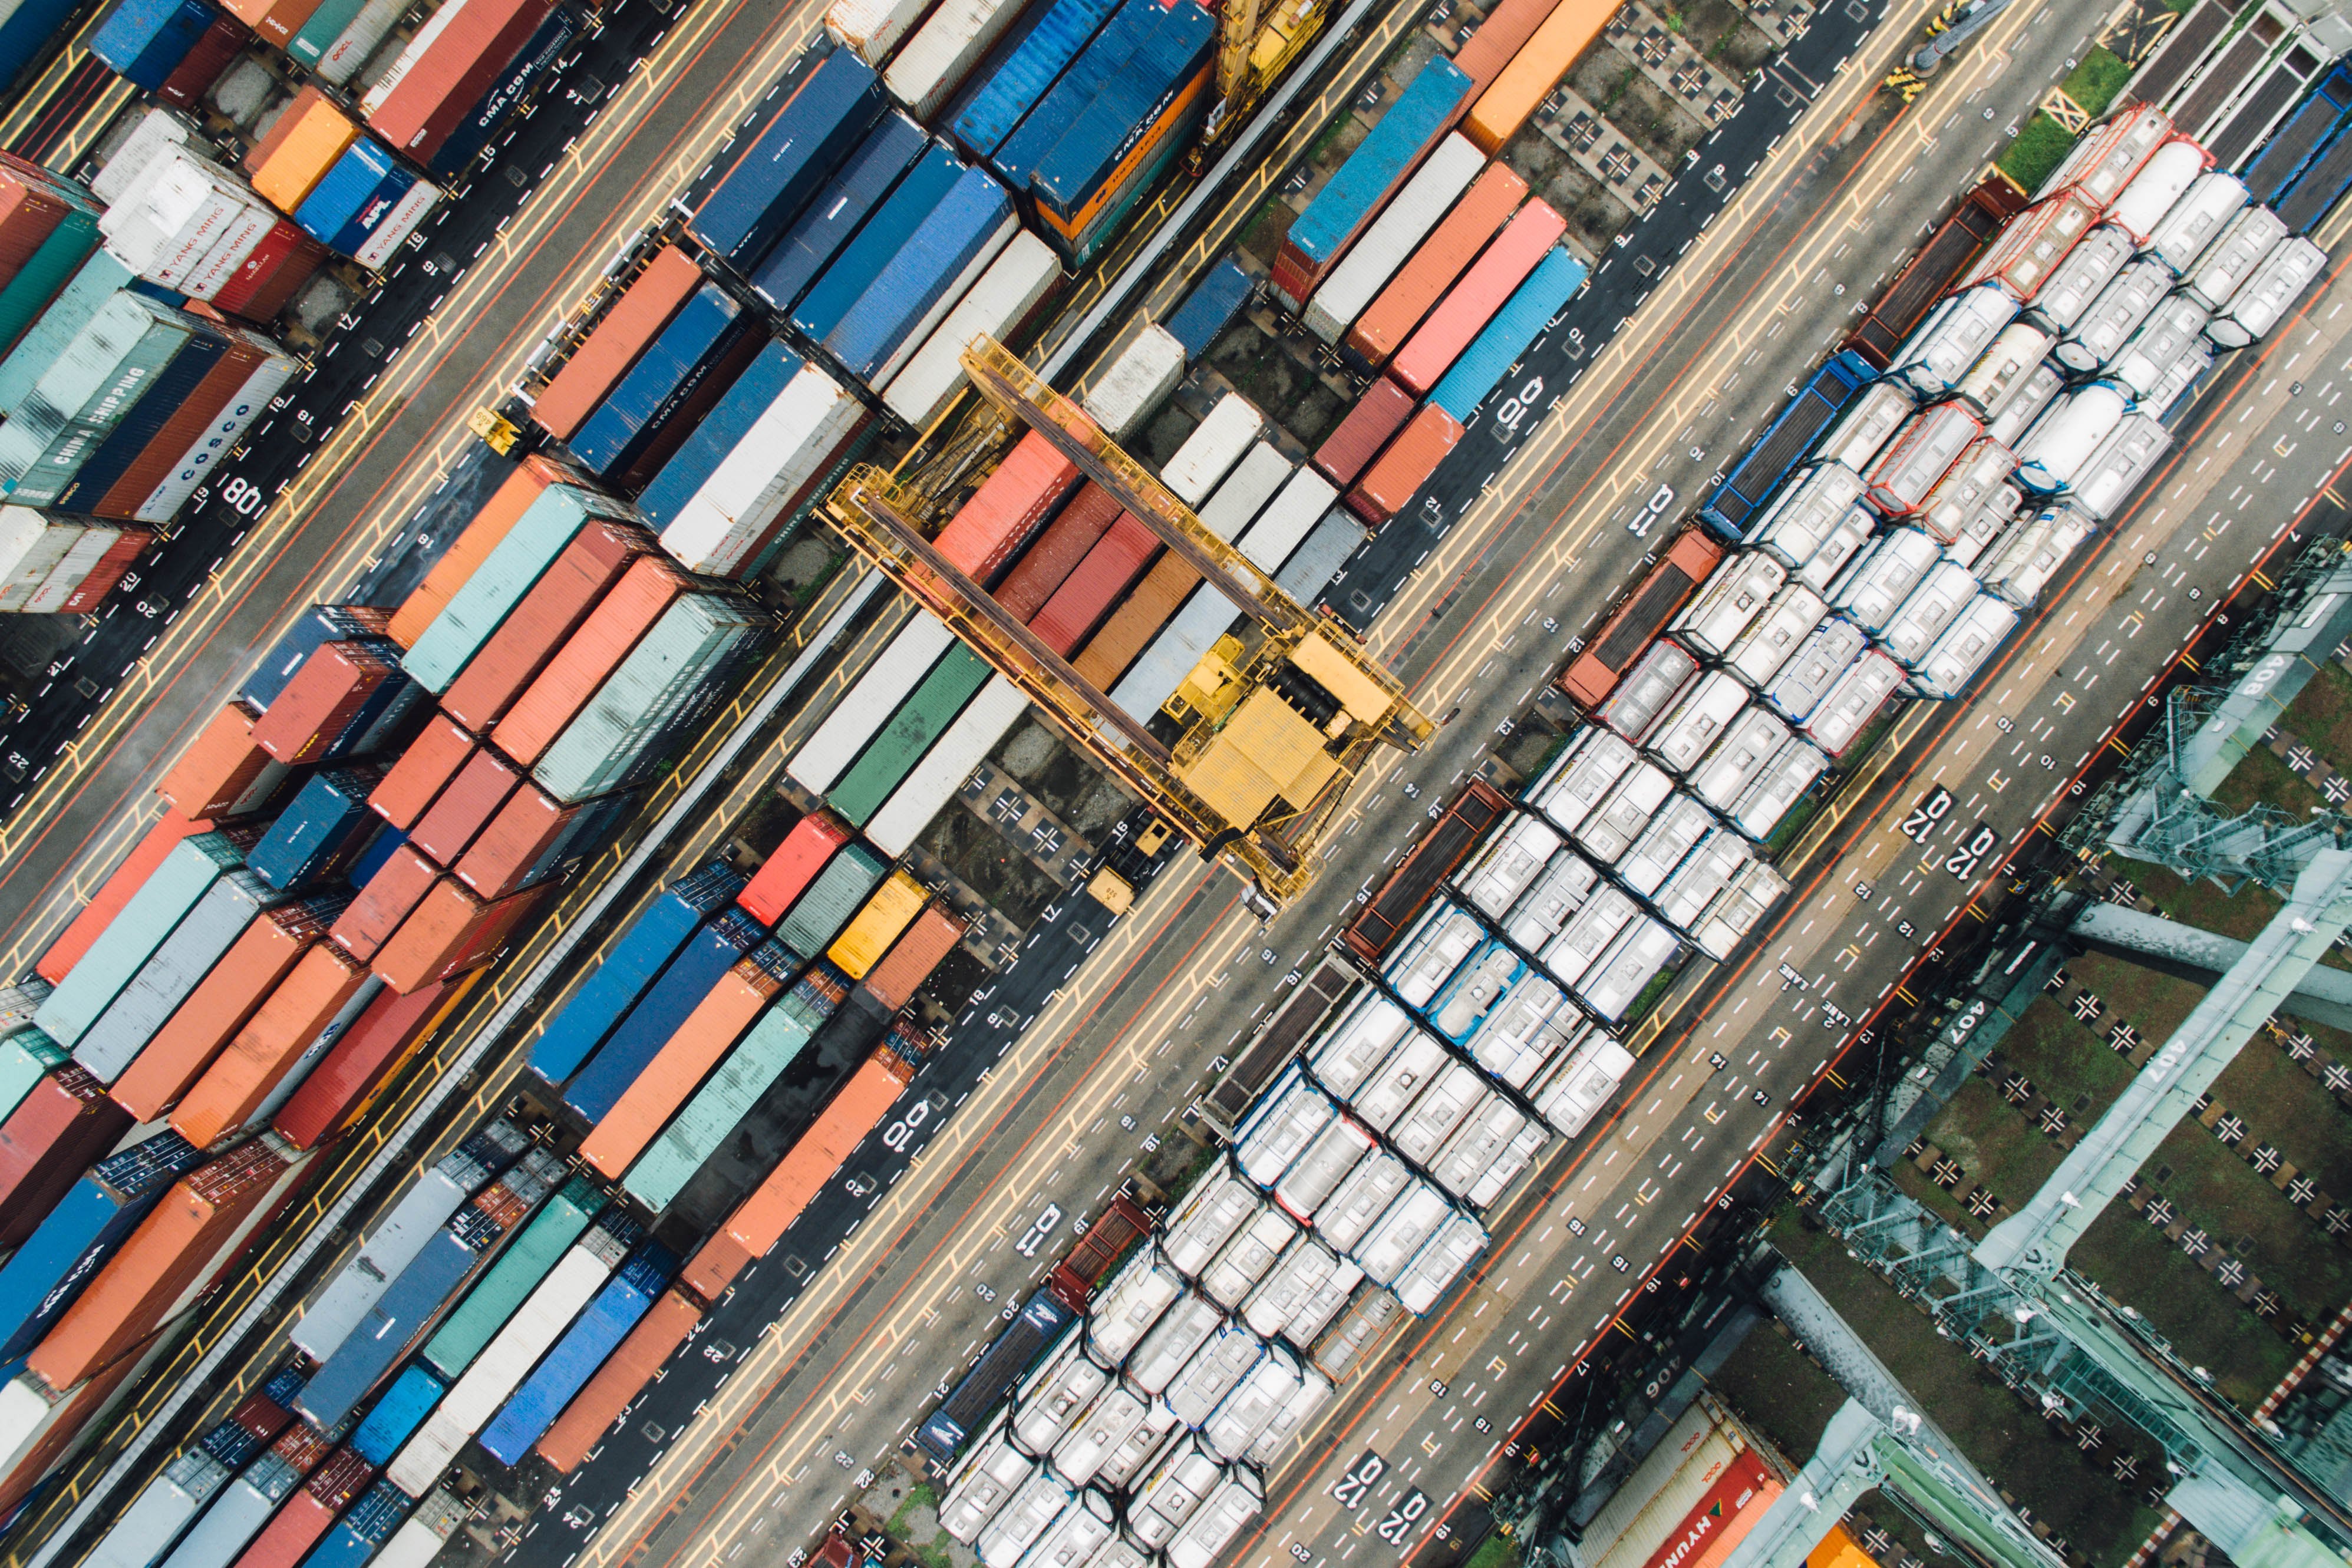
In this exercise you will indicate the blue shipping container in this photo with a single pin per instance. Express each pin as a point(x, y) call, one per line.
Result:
point(25, 33)
point(162, 400)
point(318, 833)
point(1775, 454)
point(1068, 100)
point(1349, 198)
point(598, 823)
point(811, 131)
point(737, 408)
point(902, 295)
point(336, 199)
point(690, 976)
point(143, 41)
point(539, 56)
point(1029, 73)
point(576, 1356)
point(354, 1539)
point(400, 1412)
point(1073, 174)
point(1542, 295)
point(794, 261)
point(624, 972)
point(1210, 308)
point(605, 441)
point(926, 184)
point(312, 630)
point(53, 1265)
point(415, 1297)
point(371, 212)
point(2287, 151)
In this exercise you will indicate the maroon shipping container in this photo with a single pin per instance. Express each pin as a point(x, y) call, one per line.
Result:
point(374, 1048)
point(646, 591)
point(451, 932)
point(526, 828)
point(1109, 570)
point(330, 687)
point(203, 64)
point(543, 621)
point(1379, 415)
point(390, 896)
point(29, 214)
point(64, 1124)
point(1393, 482)
point(416, 778)
point(109, 569)
point(188, 422)
point(1057, 552)
point(466, 806)
point(442, 88)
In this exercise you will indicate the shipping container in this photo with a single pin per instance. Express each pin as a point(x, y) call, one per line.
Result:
point(223, 773)
point(85, 394)
point(1136, 381)
point(1733, 505)
point(1629, 629)
point(78, 1236)
point(26, 1055)
point(664, 1009)
point(635, 319)
point(1934, 359)
point(1539, 65)
point(2089, 267)
point(1005, 513)
point(536, 838)
point(62, 1126)
point(99, 911)
point(237, 1083)
point(220, 437)
point(415, 780)
point(341, 1088)
point(673, 677)
point(143, 41)
point(942, 771)
point(2275, 284)
point(886, 916)
point(1320, 236)
point(725, 428)
point(1523, 243)
point(913, 291)
point(464, 807)
point(1409, 217)
point(445, 70)
point(698, 1044)
point(728, 524)
point(476, 610)
point(627, 969)
point(918, 194)
point(802, 138)
point(2030, 247)
point(1399, 900)
point(647, 586)
point(535, 1249)
point(321, 832)
point(183, 427)
point(1005, 298)
point(1838, 719)
point(313, 713)
point(1070, 617)
point(451, 930)
point(875, 694)
point(385, 901)
point(1530, 311)
point(509, 88)
point(185, 873)
point(642, 420)
point(616, 1383)
point(1064, 543)
point(1315, 564)
point(608, 1319)
point(1390, 485)
point(178, 967)
point(2159, 186)
point(310, 134)
point(1377, 415)
point(1391, 318)
point(892, 983)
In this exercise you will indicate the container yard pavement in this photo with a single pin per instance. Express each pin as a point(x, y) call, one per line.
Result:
point(364, 483)
point(823, 1385)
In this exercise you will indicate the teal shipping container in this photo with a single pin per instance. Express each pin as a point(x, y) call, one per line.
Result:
point(663, 681)
point(163, 982)
point(26, 1055)
point(516, 1273)
point(97, 382)
point(52, 266)
point(476, 611)
point(163, 901)
point(96, 281)
point(817, 917)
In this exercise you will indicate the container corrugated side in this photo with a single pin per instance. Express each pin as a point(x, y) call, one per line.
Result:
point(706, 1036)
point(967, 743)
point(179, 966)
point(1470, 304)
point(817, 917)
point(1375, 259)
point(472, 547)
point(836, 102)
point(1321, 234)
point(944, 50)
point(909, 734)
point(665, 1007)
point(476, 609)
point(667, 681)
point(771, 471)
point(186, 874)
point(647, 305)
point(618, 1307)
point(617, 1383)
point(838, 211)
point(517, 1271)
point(1013, 284)
point(628, 967)
point(1529, 310)
point(214, 1013)
point(235, 1086)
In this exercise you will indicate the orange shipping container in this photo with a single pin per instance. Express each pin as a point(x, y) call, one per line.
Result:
point(1393, 482)
point(547, 618)
point(605, 355)
point(619, 1381)
point(379, 1043)
point(648, 588)
point(223, 773)
point(451, 932)
point(472, 547)
point(910, 962)
point(1484, 208)
point(395, 890)
point(678, 1069)
point(1470, 304)
point(304, 143)
point(63, 954)
point(1499, 39)
point(407, 791)
point(276, 20)
point(305, 1002)
point(763, 1217)
point(1534, 71)
point(73, 1411)
point(1134, 623)
point(223, 1003)
point(172, 1249)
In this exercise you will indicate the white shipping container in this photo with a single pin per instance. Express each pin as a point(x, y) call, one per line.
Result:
point(869, 701)
point(1097, 1434)
point(1922, 454)
point(1576, 949)
point(1750, 742)
point(220, 438)
point(787, 449)
point(2104, 162)
point(1223, 1515)
point(1216, 1369)
point(1738, 908)
point(1083, 1530)
point(237, 245)
point(1692, 727)
point(1403, 1231)
point(1286, 521)
point(871, 29)
point(2276, 282)
point(1947, 508)
point(543, 1316)
point(1215, 1209)
point(1612, 829)
point(2113, 317)
point(1866, 687)
point(1136, 382)
point(2232, 258)
point(1361, 1040)
point(1845, 541)
point(1217, 444)
point(1927, 611)
point(1272, 1383)
point(1932, 362)
point(1814, 668)
point(31, 549)
point(72, 570)
point(422, 1209)
point(1966, 645)
point(967, 743)
point(1871, 593)
point(1657, 678)
point(1671, 836)
point(1374, 259)
point(158, 130)
point(1314, 1393)
point(1782, 783)
point(1435, 946)
point(2160, 182)
point(1986, 523)
point(1125, 1310)
point(1182, 1329)
point(1438, 1264)
point(1376, 1182)
point(1532, 1024)
point(2196, 220)
point(2121, 462)
point(2063, 439)
point(1318, 1171)
point(1559, 891)
point(1399, 1082)
point(1291, 1114)
point(1794, 525)
point(1865, 427)
point(1011, 288)
point(2002, 367)
point(1584, 773)
point(963, 284)
point(1453, 1094)
point(1031, 1509)
point(1731, 599)
point(407, 215)
point(1051, 1398)
point(2088, 268)
point(1707, 870)
point(933, 64)
point(1583, 1084)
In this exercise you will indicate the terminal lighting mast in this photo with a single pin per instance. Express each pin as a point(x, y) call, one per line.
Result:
point(1255, 777)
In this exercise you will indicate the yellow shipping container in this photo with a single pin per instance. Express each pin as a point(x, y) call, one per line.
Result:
point(304, 153)
point(888, 913)
point(1534, 71)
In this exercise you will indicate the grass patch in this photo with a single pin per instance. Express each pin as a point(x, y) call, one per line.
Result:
point(2288, 1107)
point(1497, 1551)
point(2038, 151)
point(2207, 1327)
point(2094, 83)
point(2321, 714)
point(921, 1495)
point(1264, 234)
point(1779, 1390)
point(2213, 1187)
point(2062, 1056)
point(931, 1554)
point(2261, 779)
point(2156, 1003)
point(2241, 914)
point(1994, 1142)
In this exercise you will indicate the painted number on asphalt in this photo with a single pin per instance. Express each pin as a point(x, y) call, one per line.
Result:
point(1928, 814)
point(1962, 862)
point(1348, 1491)
point(1400, 1520)
point(1041, 1229)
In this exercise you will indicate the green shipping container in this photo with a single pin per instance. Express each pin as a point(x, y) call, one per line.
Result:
point(171, 889)
point(695, 1133)
point(327, 24)
point(817, 917)
point(25, 1056)
point(85, 394)
point(477, 611)
point(514, 1276)
point(38, 281)
point(98, 280)
point(920, 719)
point(634, 709)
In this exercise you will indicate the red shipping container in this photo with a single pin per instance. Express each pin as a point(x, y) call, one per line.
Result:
point(203, 66)
point(605, 356)
point(223, 773)
point(1064, 544)
point(223, 1003)
point(52, 1136)
point(395, 890)
point(1379, 415)
point(501, 858)
point(1008, 508)
point(171, 1249)
point(265, 1048)
point(63, 954)
point(1466, 309)
point(466, 806)
point(619, 1381)
point(265, 284)
point(547, 618)
point(109, 569)
point(445, 84)
point(187, 423)
point(893, 981)
point(416, 778)
point(1110, 568)
point(379, 1043)
point(29, 213)
point(330, 687)
point(1393, 482)
point(784, 875)
point(648, 588)
point(451, 932)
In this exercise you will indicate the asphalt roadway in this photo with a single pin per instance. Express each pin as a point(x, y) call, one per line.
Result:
point(752, 1442)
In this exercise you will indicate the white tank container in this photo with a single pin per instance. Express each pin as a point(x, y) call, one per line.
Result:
point(1782, 783)
point(1657, 678)
point(1922, 454)
point(1728, 603)
point(1293, 1417)
point(1305, 1270)
point(1124, 1311)
point(1738, 909)
point(1236, 1423)
point(1567, 882)
point(2041, 387)
point(1691, 727)
point(1453, 1094)
point(1937, 356)
point(1849, 705)
point(2025, 568)
point(2001, 368)
point(1223, 1515)
point(1441, 1261)
point(2161, 182)
point(1505, 1168)
point(1981, 470)
point(2063, 438)
point(1428, 956)
point(2232, 256)
point(1610, 831)
point(1050, 1398)
point(1291, 1114)
point(2196, 220)
point(1361, 1040)
point(2276, 284)
point(1403, 1231)
point(1574, 785)
point(1221, 1204)
point(989, 1474)
point(1927, 611)
point(1025, 1517)
point(2088, 268)
point(1986, 523)
point(1321, 1167)
point(1868, 423)
point(1670, 836)
point(1953, 662)
point(1181, 1330)
point(1375, 1183)
point(1509, 866)
point(1750, 742)
point(1577, 947)
point(1215, 1370)
point(1794, 525)
point(1399, 1082)
point(2113, 317)
point(2131, 449)
point(1098, 1433)
point(1710, 869)
point(1814, 668)
point(1247, 1257)
point(2103, 162)
point(2143, 362)
point(1581, 1085)
point(1529, 1026)
point(1077, 1539)
point(1871, 593)
point(1626, 971)
point(1786, 622)
point(1847, 540)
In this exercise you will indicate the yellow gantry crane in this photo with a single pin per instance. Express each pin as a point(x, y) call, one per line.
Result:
point(1255, 47)
point(1271, 729)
